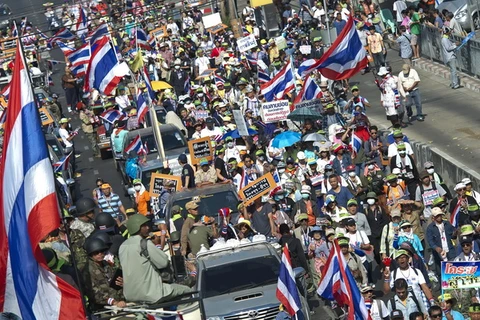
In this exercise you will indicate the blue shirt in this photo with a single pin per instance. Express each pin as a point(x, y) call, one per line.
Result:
point(339, 25)
point(391, 139)
point(342, 197)
point(110, 205)
point(456, 315)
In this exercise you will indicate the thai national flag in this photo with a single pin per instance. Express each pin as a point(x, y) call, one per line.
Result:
point(310, 91)
point(356, 144)
point(263, 77)
point(219, 80)
point(82, 22)
point(62, 34)
point(338, 284)
point(98, 33)
point(79, 71)
point(79, 56)
point(456, 214)
point(280, 85)
point(63, 163)
point(136, 145)
point(344, 59)
point(111, 115)
point(41, 34)
point(142, 39)
point(50, 81)
point(65, 48)
point(104, 72)
point(251, 60)
point(152, 41)
point(6, 91)
point(29, 211)
point(142, 107)
point(146, 79)
point(287, 292)
point(14, 30)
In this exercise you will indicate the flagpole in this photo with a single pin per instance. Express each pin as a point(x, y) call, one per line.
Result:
point(67, 231)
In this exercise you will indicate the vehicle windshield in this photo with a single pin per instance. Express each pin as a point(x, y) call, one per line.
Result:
point(211, 203)
point(55, 147)
point(146, 175)
point(4, 11)
point(240, 275)
point(171, 140)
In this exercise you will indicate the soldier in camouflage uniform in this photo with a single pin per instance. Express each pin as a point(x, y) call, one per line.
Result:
point(98, 275)
point(80, 229)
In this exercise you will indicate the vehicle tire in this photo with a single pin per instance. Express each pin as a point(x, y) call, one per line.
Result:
point(104, 154)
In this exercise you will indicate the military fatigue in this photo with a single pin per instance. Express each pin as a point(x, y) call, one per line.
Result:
point(85, 227)
point(199, 235)
point(77, 240)
point(87, 128)
point(97, 282)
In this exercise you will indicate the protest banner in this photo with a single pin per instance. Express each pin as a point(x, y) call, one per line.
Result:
point(241, 124)
point(157, 181)
point(200, 148)
point(275, 111)
point(201, 114)
point(314, 104)
point(460, 274)
point(258, 3)
point(211, 20)
point(246, 43)
point(305, 49)
point(257, 188)
point(281, 42)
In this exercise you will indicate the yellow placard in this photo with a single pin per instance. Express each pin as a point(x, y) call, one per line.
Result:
point(45, 116)
point(257, 188)
point(157, 180)
point(200, 148)
point(258, 3)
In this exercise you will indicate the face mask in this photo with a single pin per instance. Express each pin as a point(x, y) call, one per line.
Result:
point(261, 158)
point(230, 144)
point(177, 67)
point(281, 171)
point(395, 224)
point(200, 95)
point(351, 174)
point(328, 173)
point(299, 88)
point(305, 195)
point(137, 188)
point(371, 166)
point(402, 153)
point(278, 198)
point(371, 201)
point(430, 171)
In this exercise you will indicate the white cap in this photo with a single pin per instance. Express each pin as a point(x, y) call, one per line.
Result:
point(459, 186)
point(383, 71)
point(466, 181)
point(396, 171)
point(306, 189)
point(301, 155)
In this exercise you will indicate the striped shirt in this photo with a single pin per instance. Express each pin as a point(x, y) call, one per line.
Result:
point(110, 204)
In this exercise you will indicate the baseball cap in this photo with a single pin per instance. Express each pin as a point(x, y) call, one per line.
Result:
point(352, 202)
point(350, 222)
point(203, 162)
point(401, 252)
point(437, 211)
point(466, 230)
point(182, 157)
point(459, 186)
point(465, 239)
point(191, 205)
point(395, 213)
point(105, 186)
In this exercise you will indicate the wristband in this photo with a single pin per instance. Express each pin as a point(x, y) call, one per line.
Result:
point(110, 301)
point(432, 301)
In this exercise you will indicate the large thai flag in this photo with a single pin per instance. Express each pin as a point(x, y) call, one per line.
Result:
point(99, 33)
point(338, 284)
point(356, 143)
point(287, 292)
point(63, 163)
point(142, 107)
point(309, 91)
point(111, 115)
point(79, 71)
point(136, 145)
point(79, 56)
point(344, 59)
point(280, 85)
point(6, 91)
point(62, 34)
point(142, 39)
point(148, 84)
point(104, 72)
point(28, 213)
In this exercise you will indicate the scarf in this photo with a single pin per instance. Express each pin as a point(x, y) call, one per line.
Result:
point(403, 163)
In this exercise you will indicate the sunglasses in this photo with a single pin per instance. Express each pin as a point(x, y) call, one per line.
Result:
point(408, 227)
point(434, 316)
point(463, 189)
point(466, 245)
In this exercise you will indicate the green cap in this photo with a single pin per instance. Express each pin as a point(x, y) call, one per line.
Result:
point(137, 181)
point(401, 252)
point(352, 202)
point(391, 177)
point(372, 195)
point(466, 229)
point(438, 201)
point(317, 39)
point(259, 152)
point(401, 147)
point(343, 242)
point(354, 88)
point(397, 133)
point(203, 162)
point(197, 102)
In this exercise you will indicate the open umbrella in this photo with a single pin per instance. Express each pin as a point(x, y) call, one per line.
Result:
point(160, 85)
point(314, 137)
point(286, 139)
point(235, 134)
point(303, 114)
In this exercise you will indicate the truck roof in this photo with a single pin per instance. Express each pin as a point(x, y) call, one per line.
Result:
point(245, 251)
point(189, 193)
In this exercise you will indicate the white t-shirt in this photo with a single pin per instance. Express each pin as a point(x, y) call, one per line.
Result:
point(210, 133)
point(202, 63)
point(357, 239)
point(392, 149)
point(414, 278)
point(65, 135)
point(378, 313)
point(398, 7)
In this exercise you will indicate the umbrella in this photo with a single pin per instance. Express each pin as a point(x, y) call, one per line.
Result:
point(235, 134)
point(303, 114)
point(286, 139)
point(160, 85)
point(314, 137)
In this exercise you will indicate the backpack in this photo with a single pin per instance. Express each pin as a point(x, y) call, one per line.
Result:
point(166, 273)
point(414, 297)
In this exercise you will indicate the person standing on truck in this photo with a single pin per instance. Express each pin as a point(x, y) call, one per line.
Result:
point(87, 128)
point(188, 175)
point(69, 84)
point(192, 216)
point(117, 137)
point(67, 139)
point(176, 220)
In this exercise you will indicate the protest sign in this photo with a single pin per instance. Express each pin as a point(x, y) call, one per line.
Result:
point(305, 49)
point(281, 42)
point(258, 3)
point(314, 104)
point(201, 114)
point(45, 116)
point(211, 20)
point(246, 43)
point(460, 274)
point(275, 111)
point(200, 148)
point(157, 181)
point(257, 188)
point(206, 73)
point(241, 124)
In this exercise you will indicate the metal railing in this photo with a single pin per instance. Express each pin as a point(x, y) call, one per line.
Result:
point(468, 57)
